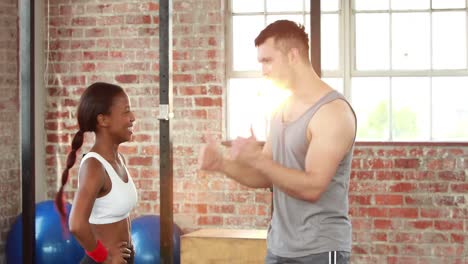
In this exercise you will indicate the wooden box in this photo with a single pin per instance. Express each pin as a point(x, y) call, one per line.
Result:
point(210, 246)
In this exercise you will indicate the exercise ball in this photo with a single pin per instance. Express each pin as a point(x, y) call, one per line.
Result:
point(52, 245)
point(146, 240)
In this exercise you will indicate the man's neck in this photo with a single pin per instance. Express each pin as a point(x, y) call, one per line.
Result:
point(306, 84)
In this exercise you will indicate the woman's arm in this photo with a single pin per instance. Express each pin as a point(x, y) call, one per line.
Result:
point(91, 181)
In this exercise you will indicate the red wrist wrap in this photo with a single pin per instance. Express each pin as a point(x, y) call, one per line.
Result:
point(99, 254)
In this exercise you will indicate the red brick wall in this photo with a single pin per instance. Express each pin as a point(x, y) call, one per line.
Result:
point(9, 120)
point(119, 42)
point(407, 202)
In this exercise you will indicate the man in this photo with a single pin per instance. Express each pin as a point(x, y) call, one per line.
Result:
point(306, 158)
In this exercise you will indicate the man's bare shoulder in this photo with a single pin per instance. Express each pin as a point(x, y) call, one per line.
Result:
point(335, 110)
point(335, 117)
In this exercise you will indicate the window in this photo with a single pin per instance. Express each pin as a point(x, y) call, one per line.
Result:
point(402, 64)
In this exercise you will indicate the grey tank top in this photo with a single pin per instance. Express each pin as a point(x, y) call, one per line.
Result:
point(299, 228)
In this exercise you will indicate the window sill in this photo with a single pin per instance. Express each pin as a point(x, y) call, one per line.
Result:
point(414, 143)
point(228, 143)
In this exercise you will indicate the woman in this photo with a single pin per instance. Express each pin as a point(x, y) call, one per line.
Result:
point(99, 218)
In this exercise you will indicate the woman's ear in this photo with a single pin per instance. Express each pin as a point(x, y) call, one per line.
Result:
point(102, 120)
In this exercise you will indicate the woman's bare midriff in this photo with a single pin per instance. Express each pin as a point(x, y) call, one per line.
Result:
point(112, 234)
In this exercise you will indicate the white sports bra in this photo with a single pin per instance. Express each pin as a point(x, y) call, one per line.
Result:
point(121, 199)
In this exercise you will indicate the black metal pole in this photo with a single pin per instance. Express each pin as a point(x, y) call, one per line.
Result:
point(165, 141)
point(26, 73)
point(315, 55)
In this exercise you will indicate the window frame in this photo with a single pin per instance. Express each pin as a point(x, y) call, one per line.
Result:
point(347, 68)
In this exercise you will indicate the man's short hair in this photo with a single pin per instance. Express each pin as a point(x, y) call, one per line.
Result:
point(287, 35)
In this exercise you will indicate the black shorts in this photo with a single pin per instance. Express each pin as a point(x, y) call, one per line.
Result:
point(333, 257)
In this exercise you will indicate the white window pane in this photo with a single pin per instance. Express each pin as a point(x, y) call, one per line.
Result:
point(450, 108)
point(335, 83)
point(439, 4)
point(296, 18)
point(242, 6)
point(371, 4)
point(330, 42)
point(410, 108)
point(410, 4)
point(245, 30)
point(284, 6)
point(307, 25)
point(449, 40)
point(307, 29)
point(242, 107)
point(372, 42)
point(411, 41)
point(326, 5)
point(250, 104)
point(370, 100)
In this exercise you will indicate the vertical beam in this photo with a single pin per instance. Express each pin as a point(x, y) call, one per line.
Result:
point(26, 74)
point(315, 55)
point(40, 100)
point(165, 141)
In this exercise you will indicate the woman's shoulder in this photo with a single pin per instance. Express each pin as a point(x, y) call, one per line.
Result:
point(92, 161)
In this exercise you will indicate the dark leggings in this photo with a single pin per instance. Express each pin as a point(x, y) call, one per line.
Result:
point(87, 260)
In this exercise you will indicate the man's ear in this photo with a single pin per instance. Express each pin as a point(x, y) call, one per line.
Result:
point(102, 120)
point(294, 56)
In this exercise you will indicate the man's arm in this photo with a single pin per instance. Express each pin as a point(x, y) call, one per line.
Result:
point(211, 159)
point(248, 175)
point(332, 134)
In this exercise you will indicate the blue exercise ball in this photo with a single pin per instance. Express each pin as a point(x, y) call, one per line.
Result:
point(52, 245)
point(146, 240)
